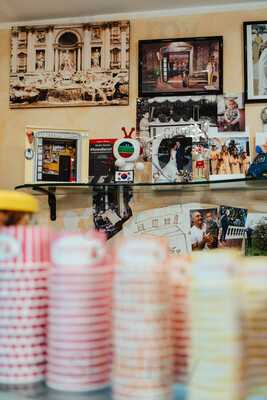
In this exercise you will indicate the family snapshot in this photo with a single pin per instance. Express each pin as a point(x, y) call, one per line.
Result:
point(213, 228)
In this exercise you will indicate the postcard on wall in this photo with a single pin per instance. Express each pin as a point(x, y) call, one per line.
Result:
point(229, 156)
point(231, 113)
point(101, 160)
point(171, 158)
point(111, 209)
point(232, 226)
point(204, 228)
point(85, 64)
point(256, 235)
point(169, 222)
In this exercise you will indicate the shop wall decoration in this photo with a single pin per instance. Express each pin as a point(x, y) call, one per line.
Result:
point(181, 66)
point(75, 65)
point(182, 110)
point(231, 113)
point(56, 155)
point(255, 61)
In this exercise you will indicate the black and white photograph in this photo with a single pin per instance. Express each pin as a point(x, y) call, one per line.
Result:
point(172, 159)
point(255, 57)
point(111, 209)
point(232, 226)
point(182, 110)
point(84, 64)
point(231, 113)
point(204, 228)
point(229, 156)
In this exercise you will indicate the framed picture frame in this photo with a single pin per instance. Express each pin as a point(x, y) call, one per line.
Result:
point(255, 59)
point(186, 66)
point(171, 156)
point(83, 64)
point(56, 155)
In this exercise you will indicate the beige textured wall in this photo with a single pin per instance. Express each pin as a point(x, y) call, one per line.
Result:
point(107, 121)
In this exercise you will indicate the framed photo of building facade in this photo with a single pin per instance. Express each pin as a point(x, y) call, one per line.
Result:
point(255, 61)
point(77, 65)
point(181, 66)
point(56, 155)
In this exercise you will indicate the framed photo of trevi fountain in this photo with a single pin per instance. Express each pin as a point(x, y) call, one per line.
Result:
point(84, 64)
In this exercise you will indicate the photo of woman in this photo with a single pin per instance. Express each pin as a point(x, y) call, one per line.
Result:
point(224, 161)
point(245, 162)
point(235, 162)
point(170, 170)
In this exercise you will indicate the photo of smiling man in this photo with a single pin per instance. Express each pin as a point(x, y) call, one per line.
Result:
point(204, 229)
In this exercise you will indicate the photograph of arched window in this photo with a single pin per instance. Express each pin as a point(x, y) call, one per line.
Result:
point(77, 65)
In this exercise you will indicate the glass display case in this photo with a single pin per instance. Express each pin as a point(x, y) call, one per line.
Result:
point(249, 193)
point(240, 193)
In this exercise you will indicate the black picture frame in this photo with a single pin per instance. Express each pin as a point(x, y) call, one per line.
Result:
point(184, 66)
point(255, 44)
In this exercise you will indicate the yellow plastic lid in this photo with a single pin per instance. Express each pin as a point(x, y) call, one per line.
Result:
point(18, 201)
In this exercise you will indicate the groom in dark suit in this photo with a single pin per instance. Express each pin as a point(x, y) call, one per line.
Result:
point(179, 156)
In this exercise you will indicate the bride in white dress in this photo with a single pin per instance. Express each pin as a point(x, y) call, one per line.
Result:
point(169, 172)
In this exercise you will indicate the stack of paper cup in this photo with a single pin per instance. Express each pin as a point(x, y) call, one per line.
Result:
point(80, 301)
point(253, 276)
point(24, 262)
point(142, 364)
point(180, 266)
point(215, 359)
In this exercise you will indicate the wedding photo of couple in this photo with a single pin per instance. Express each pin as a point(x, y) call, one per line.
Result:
point(173, 160)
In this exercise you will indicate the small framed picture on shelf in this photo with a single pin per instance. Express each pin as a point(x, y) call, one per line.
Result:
point(181, 66)
point(171, 157)
point(56, 155)
point(255, 59)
